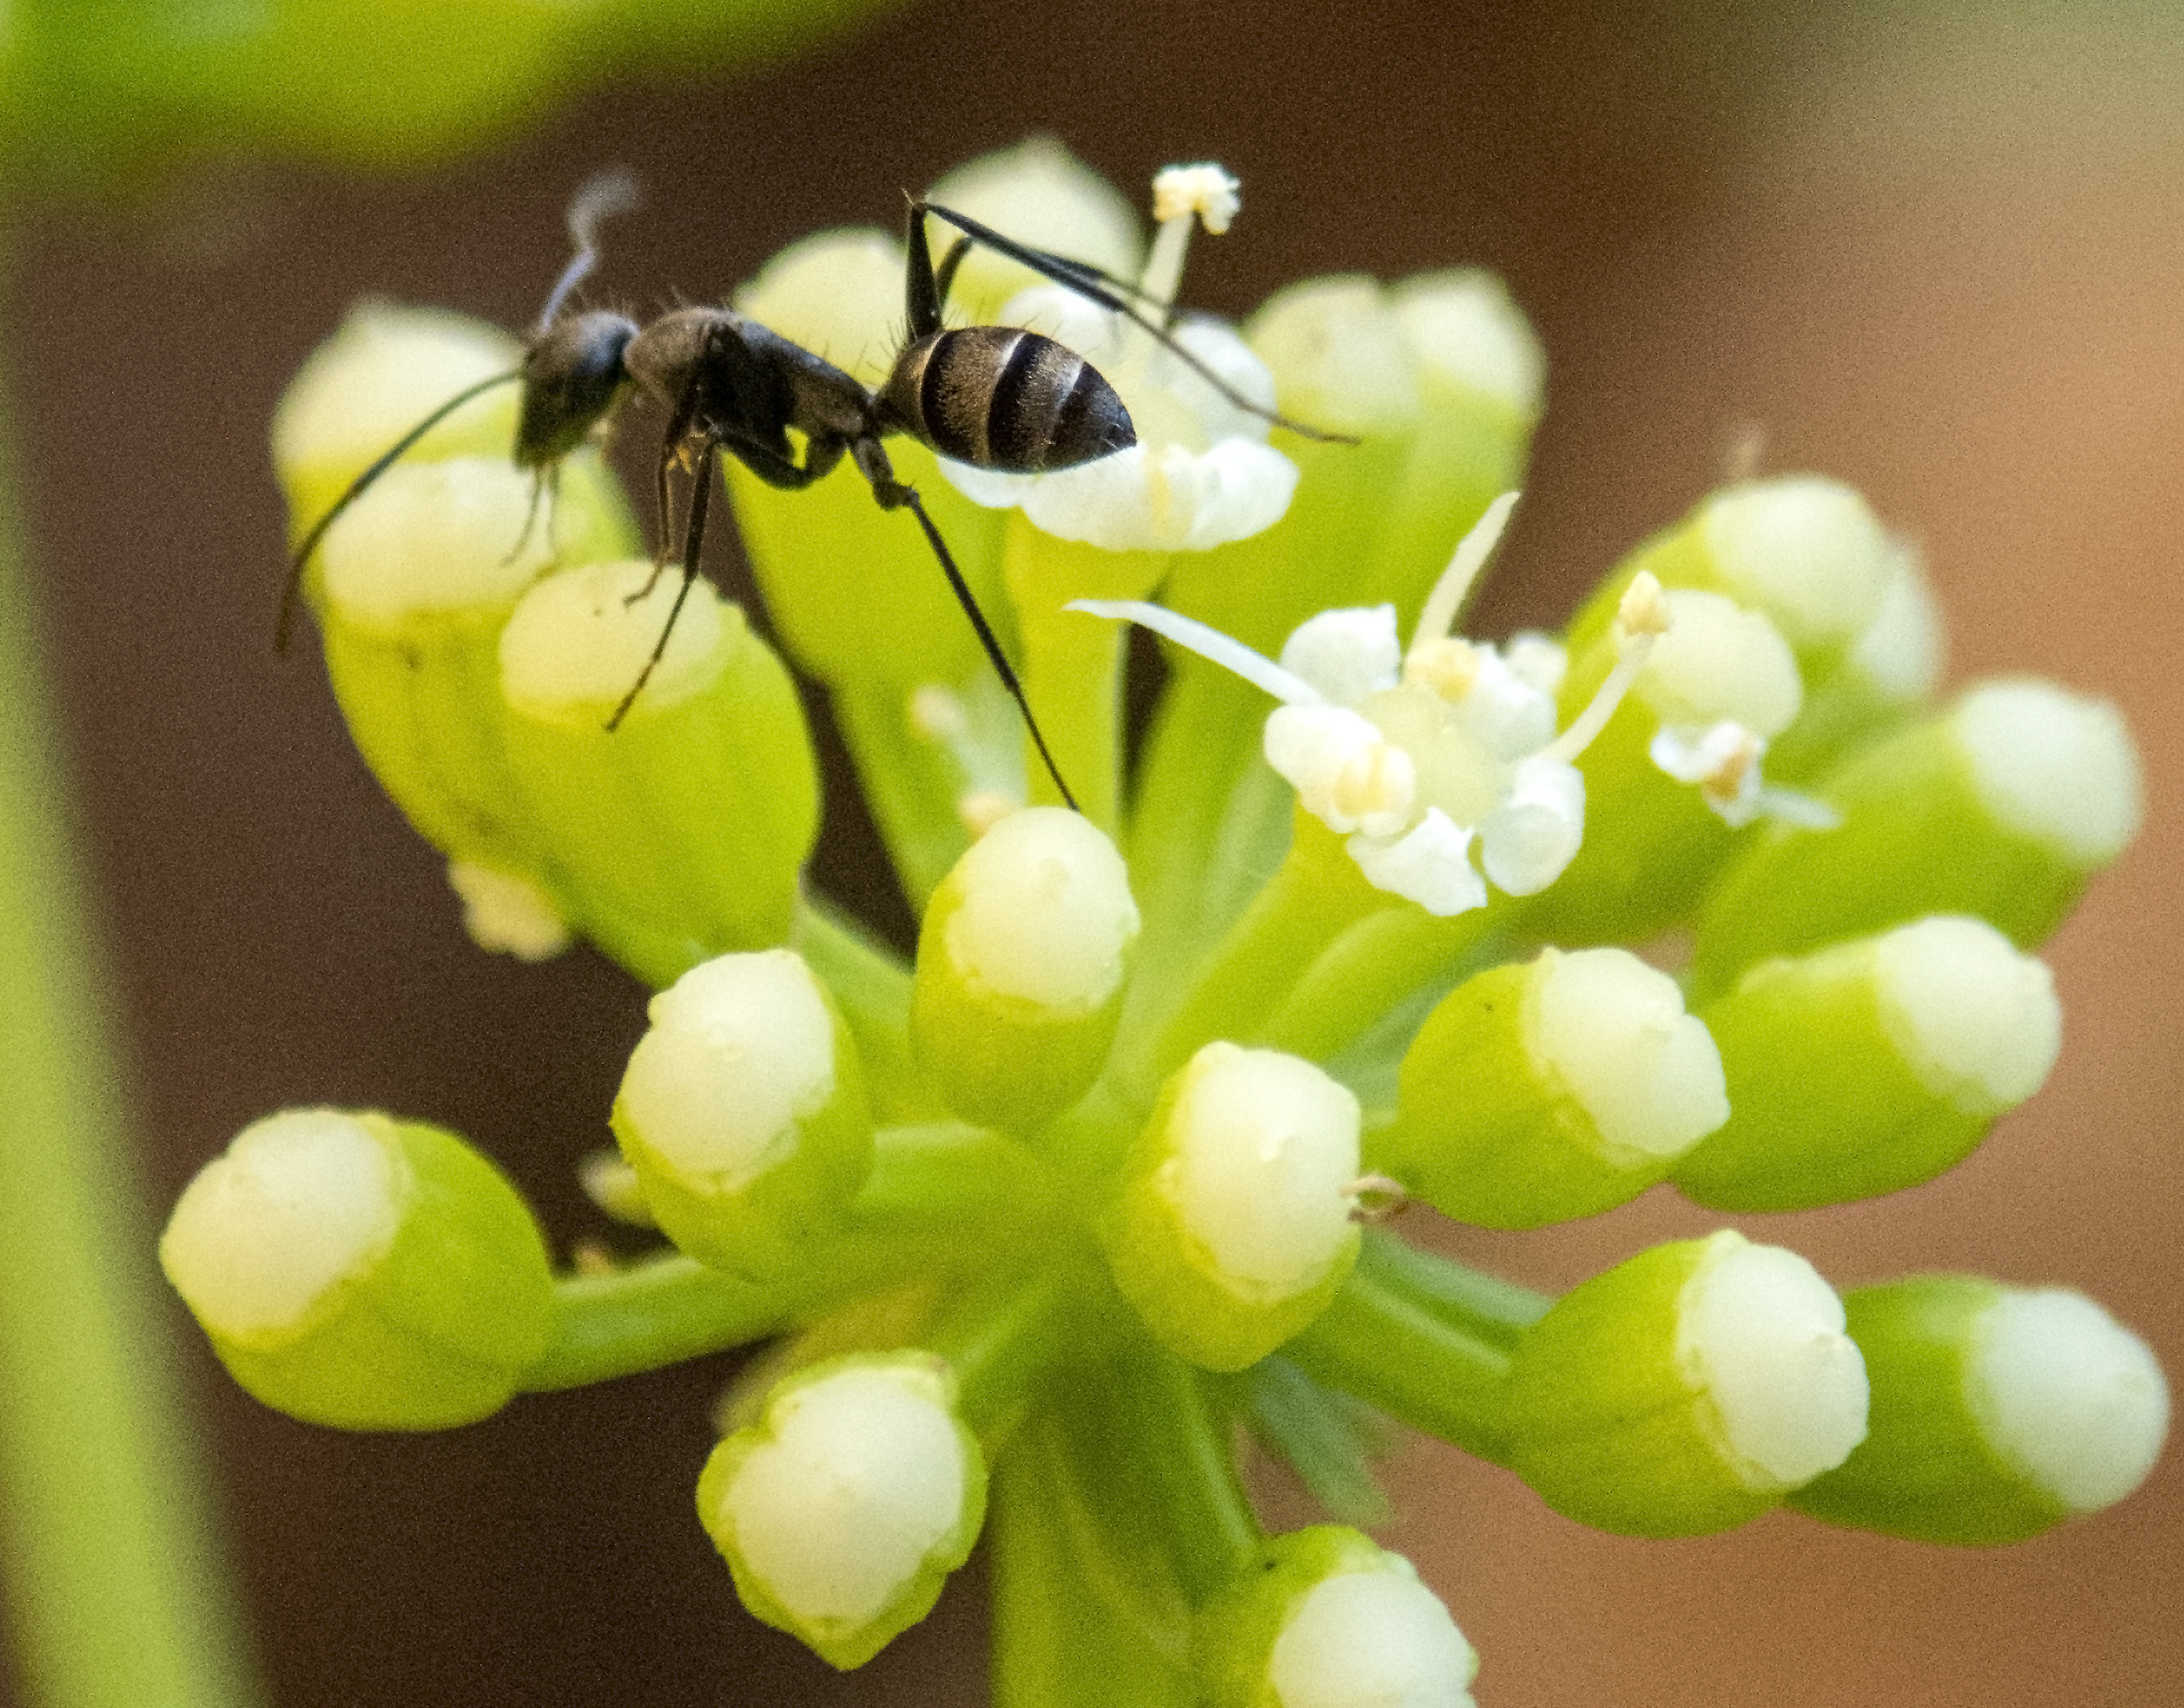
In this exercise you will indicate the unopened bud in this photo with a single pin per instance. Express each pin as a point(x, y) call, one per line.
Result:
point(1553, 1090)
point(743, 1113)
point(1687, 1390)
point(1871, 1066)
point(1997, 1412)
point(1323, 1618)
point(843, 1509)
point(356, 1271)
point(1232, 1228)
point(1022, 963)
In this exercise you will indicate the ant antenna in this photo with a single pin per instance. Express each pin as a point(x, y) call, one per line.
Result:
point(598, 199)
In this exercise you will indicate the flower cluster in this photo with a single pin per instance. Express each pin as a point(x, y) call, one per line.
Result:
point(1039, 1221)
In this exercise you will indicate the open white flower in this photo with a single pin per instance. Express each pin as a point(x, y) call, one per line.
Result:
point(1202, 473)
point(1413, 754)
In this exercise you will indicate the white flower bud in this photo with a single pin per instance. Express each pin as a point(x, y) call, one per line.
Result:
point(2053, 766)
point(1045, 915)
point(1371, 1639)
point(580, 641)
point(505, 914)
point(1464, 331)
point(434, 537)
point(1613, 1032)
point(1975, 1019)
point(1346, 655)
point(1805, 549)
point(1721, 661)
point(1762, 1335)
point(2068, 1395)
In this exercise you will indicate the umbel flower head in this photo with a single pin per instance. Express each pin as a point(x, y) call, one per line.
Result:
point(1040, 1221)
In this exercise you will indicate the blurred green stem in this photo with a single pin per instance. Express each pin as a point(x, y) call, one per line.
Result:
point(119, 1596)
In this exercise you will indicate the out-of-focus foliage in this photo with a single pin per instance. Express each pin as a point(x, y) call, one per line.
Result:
point(98, 91)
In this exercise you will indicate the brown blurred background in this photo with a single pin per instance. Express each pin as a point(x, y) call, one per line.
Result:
point(1941, 257)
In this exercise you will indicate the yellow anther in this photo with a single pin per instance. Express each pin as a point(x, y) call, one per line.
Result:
point(1447, 668)
point(1205, 189)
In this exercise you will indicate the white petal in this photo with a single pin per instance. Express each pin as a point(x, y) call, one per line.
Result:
point(1505, 712)
point(1430, 866)
point(1346, 655)
point(1317, 749)
point(1529, 840)
point(1165, 498)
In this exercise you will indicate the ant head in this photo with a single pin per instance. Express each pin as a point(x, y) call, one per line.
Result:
point(571, 376)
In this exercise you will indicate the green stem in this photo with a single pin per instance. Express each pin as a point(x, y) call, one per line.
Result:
point(119, 1593)
point(1317, 893)
point(1065, 1632)
point(1371, 969)
point(655, 1312)
point(1427, 1341)
point(911, 785)
point(1073, 663)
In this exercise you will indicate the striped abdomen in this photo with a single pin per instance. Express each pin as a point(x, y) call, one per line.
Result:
point(1000, 398)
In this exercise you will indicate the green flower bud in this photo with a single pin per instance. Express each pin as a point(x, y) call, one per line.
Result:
point(743, 1112)
point(843, 1509)
point(1323, 1618)
point(1439, 379)
point(356, 1271)
point(1871, 1066)
point(1021, 962)
point(1997, 1412)
point(384, 371)
point(1804, 550)
point(1537, 1093)
point(1662, 809)
point(1891, 670)
point(682, 833)
point(1687, 1390)
point(2003, 808)
point(1232, 1228)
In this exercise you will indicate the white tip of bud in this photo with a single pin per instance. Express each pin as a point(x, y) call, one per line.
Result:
point(1262, 1148)
point(1762, 1335)
point(2068, 1395)
point(2053, 766)
point(1371, 1639)
point(1464, 330)
point(839, 293)
point(740, 1049)
point(1346, 655)
point(508, 915)
point(1976, 1019)
point(1807, 550)
point(1612, 1030)
point(1429, 864)
point(861, 1478)
point(1045, 914)
point(300, 1201)
point(435, 537)
point(1166, 497)
point(1903, 650)
point(1207, 190)
point(385, 371)
point(1041, 195)
point(1340, 354)
point(1718, 661)
point(578, 641)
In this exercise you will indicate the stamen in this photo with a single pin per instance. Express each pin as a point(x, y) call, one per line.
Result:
point(1182, 197)
point(1231, 655)
point(1438, 620)
point(1447, 668)
point(1643, 617)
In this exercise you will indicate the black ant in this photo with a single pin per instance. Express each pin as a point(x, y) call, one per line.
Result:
point(997, 397)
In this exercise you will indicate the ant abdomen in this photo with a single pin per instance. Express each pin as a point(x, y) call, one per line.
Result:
point(1001, 398)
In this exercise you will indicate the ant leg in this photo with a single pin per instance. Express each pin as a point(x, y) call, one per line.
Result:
point(893, 494)
point(674, 447)
point(357, 488)
point(692, 543)
point(547, 481)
